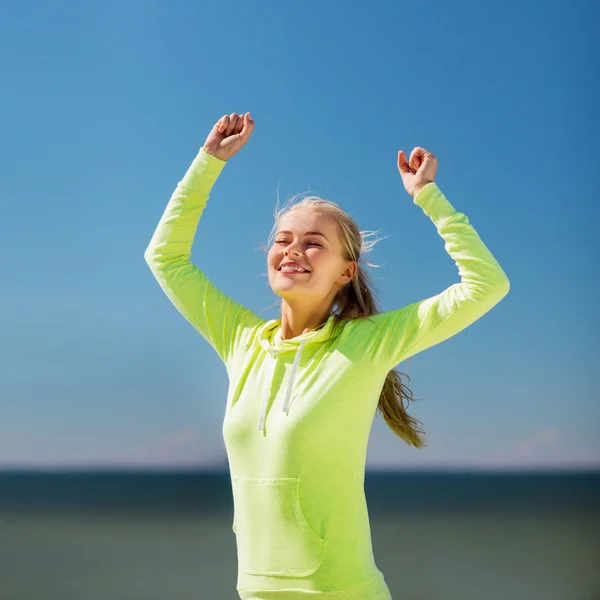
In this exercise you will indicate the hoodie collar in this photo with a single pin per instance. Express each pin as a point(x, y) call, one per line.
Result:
point(271, 341)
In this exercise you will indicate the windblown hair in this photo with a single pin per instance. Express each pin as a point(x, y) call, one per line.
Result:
point(356, 300)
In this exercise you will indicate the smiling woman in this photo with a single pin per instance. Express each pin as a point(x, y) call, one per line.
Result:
point(314, 378)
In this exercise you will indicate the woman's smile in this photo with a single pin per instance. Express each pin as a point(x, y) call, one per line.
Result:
point(292, 272)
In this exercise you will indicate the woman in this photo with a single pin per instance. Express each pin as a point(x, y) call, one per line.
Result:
point(304, 387)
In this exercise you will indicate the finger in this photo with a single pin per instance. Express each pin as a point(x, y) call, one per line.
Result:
point(416, 158)
point(231, 125)
point(248, 126)
point(239, 126)
point(222, 124)
point(225, 124)
point(414, 162)
point(402, 164)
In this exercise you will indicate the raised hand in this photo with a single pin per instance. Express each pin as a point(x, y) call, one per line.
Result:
point(419, 171)
point(228, 135)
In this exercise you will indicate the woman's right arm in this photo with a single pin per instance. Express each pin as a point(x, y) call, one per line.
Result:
point(219, 319)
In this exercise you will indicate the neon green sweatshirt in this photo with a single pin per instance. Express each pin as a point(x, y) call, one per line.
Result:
point(299, 411)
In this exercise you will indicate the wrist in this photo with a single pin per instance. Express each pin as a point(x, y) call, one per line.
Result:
point(214, 153)
point(418, 188)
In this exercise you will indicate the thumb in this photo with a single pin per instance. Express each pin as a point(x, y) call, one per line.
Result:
point(248, 126)
point(402, 164)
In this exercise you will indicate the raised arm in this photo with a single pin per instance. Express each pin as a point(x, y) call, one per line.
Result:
point(393, 336)
point(218, 318)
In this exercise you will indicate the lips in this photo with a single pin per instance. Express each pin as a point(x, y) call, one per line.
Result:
point(292, 264)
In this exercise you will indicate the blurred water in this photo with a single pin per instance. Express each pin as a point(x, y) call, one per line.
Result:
point(147, 536)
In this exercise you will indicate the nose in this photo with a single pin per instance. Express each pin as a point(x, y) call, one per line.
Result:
point(291, 249)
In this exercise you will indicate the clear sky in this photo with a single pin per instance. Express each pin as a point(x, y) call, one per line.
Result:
point(105, 106)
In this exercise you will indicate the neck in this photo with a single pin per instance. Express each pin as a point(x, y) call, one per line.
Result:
point(296, 321)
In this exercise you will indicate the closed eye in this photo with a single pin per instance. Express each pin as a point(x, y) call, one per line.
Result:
point(313, 243)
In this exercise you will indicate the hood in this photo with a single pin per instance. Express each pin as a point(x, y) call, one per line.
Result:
point(270, 339)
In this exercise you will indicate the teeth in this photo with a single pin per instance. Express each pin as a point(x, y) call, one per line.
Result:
point(293, 268)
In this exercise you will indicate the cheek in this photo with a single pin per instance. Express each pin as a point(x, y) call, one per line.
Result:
point(272, 258)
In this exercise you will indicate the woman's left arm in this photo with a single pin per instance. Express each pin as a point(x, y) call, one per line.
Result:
point(393, 336)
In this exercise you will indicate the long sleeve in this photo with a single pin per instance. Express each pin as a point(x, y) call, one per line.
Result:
point(213, 314)
point(393, 336)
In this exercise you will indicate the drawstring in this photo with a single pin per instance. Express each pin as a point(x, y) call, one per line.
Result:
point(288, 393)
point(286, 403)
point(263, 412)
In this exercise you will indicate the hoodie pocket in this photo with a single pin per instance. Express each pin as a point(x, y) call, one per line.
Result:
point(273, 535)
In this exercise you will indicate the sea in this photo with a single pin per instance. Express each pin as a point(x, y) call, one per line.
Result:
point(158, 535)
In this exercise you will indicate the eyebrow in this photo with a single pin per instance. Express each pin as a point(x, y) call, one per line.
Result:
point(307, 233)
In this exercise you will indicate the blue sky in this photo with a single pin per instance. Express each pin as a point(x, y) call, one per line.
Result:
point(105, 106)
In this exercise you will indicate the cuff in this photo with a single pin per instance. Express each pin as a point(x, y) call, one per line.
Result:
point(434, 203)
point(203, 172)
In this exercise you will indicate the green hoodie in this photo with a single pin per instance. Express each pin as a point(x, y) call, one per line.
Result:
point(299, 411)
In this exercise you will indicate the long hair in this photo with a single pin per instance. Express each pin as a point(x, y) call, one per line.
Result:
point(356, 300)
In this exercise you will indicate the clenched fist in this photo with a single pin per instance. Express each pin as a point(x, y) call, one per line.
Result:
point(228, 135)
point(418, 171)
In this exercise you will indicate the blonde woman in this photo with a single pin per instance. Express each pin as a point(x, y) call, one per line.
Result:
point(304, 388)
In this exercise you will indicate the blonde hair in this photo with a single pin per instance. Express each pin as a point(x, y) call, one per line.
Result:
point(356, 300)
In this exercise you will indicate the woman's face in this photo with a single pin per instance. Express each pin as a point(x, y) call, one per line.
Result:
point(320, 252)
